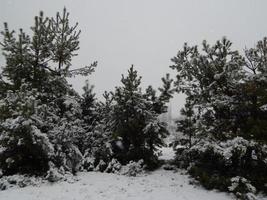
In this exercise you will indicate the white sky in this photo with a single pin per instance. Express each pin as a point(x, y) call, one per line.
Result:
point(146, 33)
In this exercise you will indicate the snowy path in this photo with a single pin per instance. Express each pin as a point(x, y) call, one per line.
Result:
point(158, 185)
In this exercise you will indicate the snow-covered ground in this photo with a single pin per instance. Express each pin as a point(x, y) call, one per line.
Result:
point(157, 185)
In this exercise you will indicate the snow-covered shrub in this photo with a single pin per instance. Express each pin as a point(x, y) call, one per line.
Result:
point(114, 166)
point(33, 133)
point(101, 166)
point(215, 163)
point(25, 148)
point(88, 162)
point(68, 156)
point(133, 168)
point(67, 134)
point(98, 148)
point(19, 181)
point(54, 174)
point(242, 188)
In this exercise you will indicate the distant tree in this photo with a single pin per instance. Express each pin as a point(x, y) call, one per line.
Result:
point(89, 104)
point(187, 125)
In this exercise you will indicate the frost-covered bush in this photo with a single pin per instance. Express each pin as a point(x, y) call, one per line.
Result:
point(114, 166)
point(67, 154)
point(242, 188)
point(88, 163)
point(133, 168)
point(25, 148)
point(98, 148)
point(34, 133)
point(101, 166)
point(54, 174)
point(215, 163)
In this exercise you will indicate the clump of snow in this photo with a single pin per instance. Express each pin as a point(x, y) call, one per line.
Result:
point(264, 107)
point(119, 144)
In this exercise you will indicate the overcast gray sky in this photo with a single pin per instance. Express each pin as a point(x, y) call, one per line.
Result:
point(146, 33)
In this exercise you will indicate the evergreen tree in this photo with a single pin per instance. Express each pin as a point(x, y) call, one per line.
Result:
point(44, 122)
point(187, 125)
point(212, 80)
point(253, 92)
point(135, 125)
point(16, 53)
point(89, 104)
point(32, 59)
point(225, 114)
point(98, 138)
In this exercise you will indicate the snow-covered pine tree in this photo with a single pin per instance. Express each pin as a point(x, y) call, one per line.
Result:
point(89, 104)
point(136, 129)
point(16, 52)
point(32, 61)
point(98, 152)
point(211, 79)
point(90, 117)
